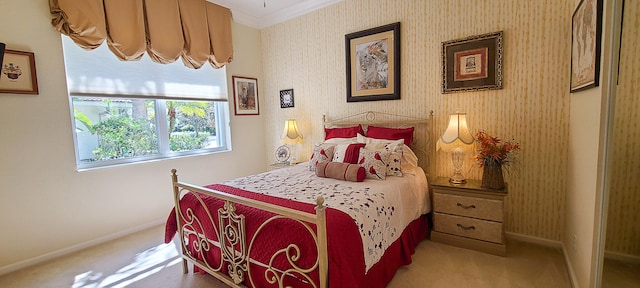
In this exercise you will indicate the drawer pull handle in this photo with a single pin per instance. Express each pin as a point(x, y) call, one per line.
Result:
point(466, 227)
point(465, 206)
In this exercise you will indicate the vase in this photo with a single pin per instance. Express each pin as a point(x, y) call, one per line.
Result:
point(492, 177)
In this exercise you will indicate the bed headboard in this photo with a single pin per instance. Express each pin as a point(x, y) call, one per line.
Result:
point(423, 144)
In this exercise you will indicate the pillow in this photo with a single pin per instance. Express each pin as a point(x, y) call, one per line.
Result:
point(374, 163)
point(409, 159)
point(347, 153)
point(391, 134)
point(341, 171)
point(321, 152)
point(394, 147)
point(346, 132)
point(340, 140)
point(394, 166)
point(374, 144)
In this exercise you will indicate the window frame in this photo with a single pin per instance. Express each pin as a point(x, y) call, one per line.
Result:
point(221, 110)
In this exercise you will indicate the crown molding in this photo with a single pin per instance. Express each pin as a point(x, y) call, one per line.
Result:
point(245, 19)
point(281, 15)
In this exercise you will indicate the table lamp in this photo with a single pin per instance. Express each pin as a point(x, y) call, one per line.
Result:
point(291, 136)
point(456, 139)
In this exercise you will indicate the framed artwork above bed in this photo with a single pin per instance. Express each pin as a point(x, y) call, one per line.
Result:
point(373, 64)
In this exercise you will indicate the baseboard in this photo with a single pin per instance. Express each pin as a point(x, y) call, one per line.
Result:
point(627, 258)
point(547, 243)
point(533, 240)
point(62, 252)
point(570, 270)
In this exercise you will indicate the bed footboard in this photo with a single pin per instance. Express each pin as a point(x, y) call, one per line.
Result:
point(223, 233)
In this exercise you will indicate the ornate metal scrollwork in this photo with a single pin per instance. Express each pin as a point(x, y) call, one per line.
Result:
point(232, 241)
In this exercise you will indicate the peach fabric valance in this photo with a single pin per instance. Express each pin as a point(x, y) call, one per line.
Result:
point(198, 31)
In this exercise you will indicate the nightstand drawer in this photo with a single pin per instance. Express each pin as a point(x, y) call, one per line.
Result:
point(468, 227)
point(480, 208)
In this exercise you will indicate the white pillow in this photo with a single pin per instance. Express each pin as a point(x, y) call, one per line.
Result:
point(340, 140)
point(373, 143)
point(408, 157)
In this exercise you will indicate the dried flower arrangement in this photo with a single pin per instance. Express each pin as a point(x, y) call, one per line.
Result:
point(494, 149)
point(493, 155)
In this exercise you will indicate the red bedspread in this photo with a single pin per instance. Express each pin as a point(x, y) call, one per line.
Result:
point(346, 257)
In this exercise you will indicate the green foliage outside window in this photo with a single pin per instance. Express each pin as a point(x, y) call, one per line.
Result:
point(121, 136)
point(129, 131)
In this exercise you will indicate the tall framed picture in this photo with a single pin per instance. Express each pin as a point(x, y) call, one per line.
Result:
point(373, 64)
point(586, 33)
point(18, 75)
point(286, 98)
point(473, 63)
point(245, 96)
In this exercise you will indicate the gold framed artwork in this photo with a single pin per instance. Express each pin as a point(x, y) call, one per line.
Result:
point(18, 75)
point(473, 63)
point(373, 64)
point(586, 33)
point(245, 95)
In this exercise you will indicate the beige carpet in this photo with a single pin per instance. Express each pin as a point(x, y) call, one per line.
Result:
point(141, 260)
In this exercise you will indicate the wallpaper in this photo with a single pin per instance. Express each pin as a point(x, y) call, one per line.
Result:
point(623, 230)
point(307, 54)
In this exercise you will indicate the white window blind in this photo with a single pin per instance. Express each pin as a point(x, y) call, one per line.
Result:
point(99, 72)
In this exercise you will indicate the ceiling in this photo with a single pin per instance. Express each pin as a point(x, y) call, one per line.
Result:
point(263, 13)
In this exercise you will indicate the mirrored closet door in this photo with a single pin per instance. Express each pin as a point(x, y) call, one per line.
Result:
point(621, 266)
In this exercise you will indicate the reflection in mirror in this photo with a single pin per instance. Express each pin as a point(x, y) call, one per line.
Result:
point(622, 246)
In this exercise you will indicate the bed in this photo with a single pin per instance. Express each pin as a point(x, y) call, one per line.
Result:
point(291, 228)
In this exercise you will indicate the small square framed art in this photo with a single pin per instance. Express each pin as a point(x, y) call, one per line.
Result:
point(286, 98)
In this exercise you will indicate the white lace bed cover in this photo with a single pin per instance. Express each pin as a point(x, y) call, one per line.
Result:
point(384, 207)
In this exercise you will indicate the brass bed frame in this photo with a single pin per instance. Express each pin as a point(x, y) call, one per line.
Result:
point(234, 248)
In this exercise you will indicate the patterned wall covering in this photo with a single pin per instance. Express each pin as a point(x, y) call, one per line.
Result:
point(623, 230)
point(307, 54)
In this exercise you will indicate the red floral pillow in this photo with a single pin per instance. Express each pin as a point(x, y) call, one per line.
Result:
point(374, 163)
point(322, 152)
point(391, 134)
point(346, 132)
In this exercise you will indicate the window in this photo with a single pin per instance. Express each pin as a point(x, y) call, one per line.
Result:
point(121, 116)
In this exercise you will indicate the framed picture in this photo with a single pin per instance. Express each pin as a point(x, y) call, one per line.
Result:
point(18, 73)
point(473, 63)
point(245, 95)
point(373, 64)
point(586, 33)
point(286, 98)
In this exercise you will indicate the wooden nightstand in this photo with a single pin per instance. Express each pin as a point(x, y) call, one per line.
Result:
point(468, 216)
point(275, 166)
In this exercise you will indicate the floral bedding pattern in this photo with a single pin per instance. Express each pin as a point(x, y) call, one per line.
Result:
point(380, 211)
